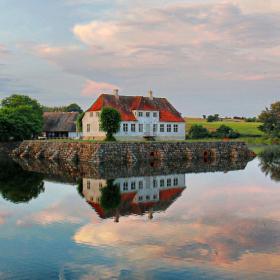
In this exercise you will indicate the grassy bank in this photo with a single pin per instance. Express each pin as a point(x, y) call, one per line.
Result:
point(244, 128)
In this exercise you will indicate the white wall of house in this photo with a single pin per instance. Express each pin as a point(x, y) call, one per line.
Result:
point(147, 124)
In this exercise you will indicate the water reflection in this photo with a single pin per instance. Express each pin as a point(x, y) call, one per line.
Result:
point(173, 224)
point(133, 195)
point(270, 162)
point(17, 185)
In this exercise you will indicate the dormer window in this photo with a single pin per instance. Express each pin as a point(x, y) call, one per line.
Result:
point(147, 114)
point(140, 114)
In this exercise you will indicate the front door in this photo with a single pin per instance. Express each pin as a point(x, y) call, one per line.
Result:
point(148, 129)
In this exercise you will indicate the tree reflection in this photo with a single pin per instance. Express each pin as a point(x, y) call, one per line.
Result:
point(17, 185)
point(110, 196)
point(270, 162)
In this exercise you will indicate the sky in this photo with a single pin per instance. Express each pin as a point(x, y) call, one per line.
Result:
point(205, 56)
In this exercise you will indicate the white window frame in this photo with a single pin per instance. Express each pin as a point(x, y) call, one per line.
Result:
point(140, 127)
point(88, 127)
point(161, 127)
point(140, 114)
point(133, 127)
point(147, 114)
point(175, 128)
point(125, 127)
point(168, 128)
point(155, 114)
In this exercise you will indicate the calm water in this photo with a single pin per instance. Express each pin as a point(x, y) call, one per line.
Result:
point(164, 223)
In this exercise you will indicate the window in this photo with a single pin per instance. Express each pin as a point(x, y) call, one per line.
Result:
point(91, 114)
point(175, 182)
point(132, 127)
point(97, 114)
point(140, 127)
point(140, 198)
point(161, 128)
point(125, 127)
point(140, 184)
point(147, 197)
point(125, 186)
point(162, 182)
point(140, 114)
point(175, 127)
point(169, 128)
point(155, 128)
point(155, 183)
point(100, 185)
point(154, 114)
point(148, 114)
point(155, 196)
point(132, 185)
point(88, 127)
point(168, 182)
point(88, 185)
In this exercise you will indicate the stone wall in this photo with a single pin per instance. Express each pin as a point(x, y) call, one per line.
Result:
point(129, 152)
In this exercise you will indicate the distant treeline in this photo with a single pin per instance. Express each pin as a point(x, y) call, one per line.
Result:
point(217, 118)
point(70, 108)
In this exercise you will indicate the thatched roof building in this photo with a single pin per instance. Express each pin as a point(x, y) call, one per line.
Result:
point(60, 124)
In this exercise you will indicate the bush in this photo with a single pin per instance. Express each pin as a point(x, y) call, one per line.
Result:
point(198, 131)
point(225, 132)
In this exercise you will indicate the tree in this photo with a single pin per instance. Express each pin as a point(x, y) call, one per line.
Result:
point(79, 122)
point(70, 108)
point(226, 132)
point(270, 162)
point(17, 185)
point(20, 118)
point(74, 108)
point(198, 131)
point(110, 120)
point(213, 118)
point(271, 120)
point(110, 196)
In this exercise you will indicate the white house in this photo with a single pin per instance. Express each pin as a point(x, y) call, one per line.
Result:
point(142, 117)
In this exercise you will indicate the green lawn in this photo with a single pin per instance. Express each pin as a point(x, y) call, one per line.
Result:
point(244, 128)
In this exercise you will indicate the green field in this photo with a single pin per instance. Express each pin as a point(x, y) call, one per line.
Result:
point(244, 128)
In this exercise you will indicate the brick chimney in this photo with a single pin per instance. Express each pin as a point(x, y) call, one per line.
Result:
point(150, 94)
point(116, 93)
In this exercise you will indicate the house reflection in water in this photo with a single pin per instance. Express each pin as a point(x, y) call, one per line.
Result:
point(139, 195)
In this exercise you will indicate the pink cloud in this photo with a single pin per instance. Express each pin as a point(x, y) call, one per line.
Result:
point(92, 88)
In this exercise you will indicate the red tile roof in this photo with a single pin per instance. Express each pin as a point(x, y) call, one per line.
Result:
point(126, 104)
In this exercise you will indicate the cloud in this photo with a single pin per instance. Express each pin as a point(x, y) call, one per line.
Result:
point(92, 88)
point(175, 38)
point(3, 50)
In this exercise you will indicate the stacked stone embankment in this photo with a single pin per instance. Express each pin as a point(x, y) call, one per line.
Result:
point(126, 152)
